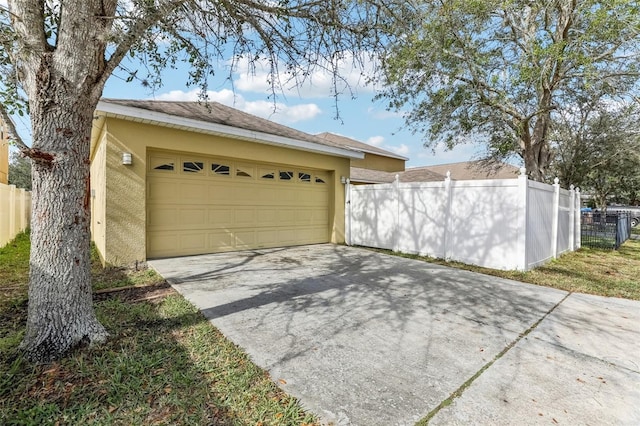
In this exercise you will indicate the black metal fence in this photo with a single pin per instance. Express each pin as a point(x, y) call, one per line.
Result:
point(608, 231)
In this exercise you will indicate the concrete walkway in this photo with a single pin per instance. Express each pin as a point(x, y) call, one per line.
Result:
point(363, 338)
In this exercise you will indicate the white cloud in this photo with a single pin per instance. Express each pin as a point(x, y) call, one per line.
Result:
point(375, 140)
point(277, 112)
point(400, 150)
point(379, 114)
point(282, 113)
point(379, 141)
point(258, 76)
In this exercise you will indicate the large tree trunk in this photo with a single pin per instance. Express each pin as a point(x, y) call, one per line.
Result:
point(537, 155)
point(536, 159)
point(61, 314)
point(63, 77)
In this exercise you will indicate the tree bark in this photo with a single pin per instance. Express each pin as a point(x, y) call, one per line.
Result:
point(63, 79)
point(61, 314)
point(536, 153)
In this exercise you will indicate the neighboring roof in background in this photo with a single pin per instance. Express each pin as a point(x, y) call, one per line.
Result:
point(421, 174)
point(215, 118)
point(360, 175)
point(468, 170)
point(410, 175)
point(360, 146)
point(474, 170)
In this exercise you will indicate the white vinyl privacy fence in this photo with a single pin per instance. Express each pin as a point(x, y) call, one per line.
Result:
point(500, 224)
point(15, 212)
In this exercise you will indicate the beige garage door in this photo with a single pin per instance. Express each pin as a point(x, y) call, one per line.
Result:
point(206, 205)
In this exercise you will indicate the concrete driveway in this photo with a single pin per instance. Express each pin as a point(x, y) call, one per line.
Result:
point(365, 338)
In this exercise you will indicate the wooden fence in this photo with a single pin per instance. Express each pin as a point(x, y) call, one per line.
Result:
point(15, 212)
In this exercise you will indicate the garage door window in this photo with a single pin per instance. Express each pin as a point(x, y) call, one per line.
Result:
point(162, 163)
point(244, 172)
point(319, 179)
point(220, 169)
point(304, 177)
point(286, 175)
point(267, 174)
point(165, 166)
point(192, 166)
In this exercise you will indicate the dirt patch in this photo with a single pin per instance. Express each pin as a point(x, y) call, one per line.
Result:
point(134, 294)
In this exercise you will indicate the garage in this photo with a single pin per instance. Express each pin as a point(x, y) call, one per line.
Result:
point(198, 204)
point(183, 178)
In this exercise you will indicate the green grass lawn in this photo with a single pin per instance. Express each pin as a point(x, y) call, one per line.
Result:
point(163, 363)
point(613, 273)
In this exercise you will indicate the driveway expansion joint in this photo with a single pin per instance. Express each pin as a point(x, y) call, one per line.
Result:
point(458, 392)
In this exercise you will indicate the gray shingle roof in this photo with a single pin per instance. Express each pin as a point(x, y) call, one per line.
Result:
point(214, 112)
point(360, 146)
point(360, 175)
point(468, 170)
point(474, 170)
point(410, 175)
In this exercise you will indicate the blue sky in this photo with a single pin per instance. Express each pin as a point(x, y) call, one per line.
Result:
point(308, 107)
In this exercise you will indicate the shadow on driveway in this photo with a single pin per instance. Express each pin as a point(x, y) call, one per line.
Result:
point(362, 337)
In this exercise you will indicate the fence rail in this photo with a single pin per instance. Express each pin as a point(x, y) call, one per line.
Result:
point(498, 223)
point(15, 212)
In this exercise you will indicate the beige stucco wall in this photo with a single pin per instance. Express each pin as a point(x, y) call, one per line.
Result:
point(4, 154)
point(378, 162)
point(125, 186)
point(98, 192)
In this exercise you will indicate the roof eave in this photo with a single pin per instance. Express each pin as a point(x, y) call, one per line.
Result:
point(169, 120)
point(395, 156)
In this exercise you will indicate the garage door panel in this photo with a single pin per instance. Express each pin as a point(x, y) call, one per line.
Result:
point(220, 217)
point(287, 236)
point(268, 194)
point(245, 239)
point(211, 211)
point(267, 237)
point(304, 217)
point(244, 194)
point(287, 217)
point(219, 192)
point(312, 234)
point(162, 217)
point(245, 217)
point(221, 240)
point(162, 244)
point(193, 242)
point(267, 216)
point(193, 192)
point(193, 218)
point(318, 216)
point(162, 190)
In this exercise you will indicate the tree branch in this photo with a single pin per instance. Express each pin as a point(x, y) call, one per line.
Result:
point(11, 129)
